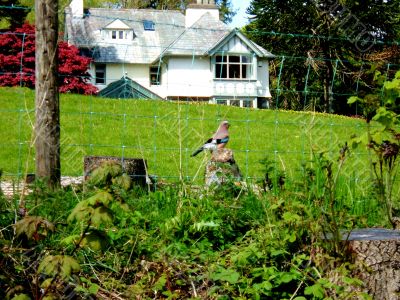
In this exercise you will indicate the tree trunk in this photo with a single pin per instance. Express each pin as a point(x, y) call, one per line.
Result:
point(47, 126)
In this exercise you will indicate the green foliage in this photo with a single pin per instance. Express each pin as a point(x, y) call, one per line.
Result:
point(13, 17)
point(21, 297)
point(33, 227)
point(103, 174)
point(100, 212)
point(245, 247)
point(93, 210)
point(324, 33)
point(382, 141)
point(62, 266)
point(225, 275)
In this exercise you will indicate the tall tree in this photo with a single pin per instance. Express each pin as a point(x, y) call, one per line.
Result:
point(325, 32)
point(47, 105)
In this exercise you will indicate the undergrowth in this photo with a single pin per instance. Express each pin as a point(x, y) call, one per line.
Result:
point(106, 239)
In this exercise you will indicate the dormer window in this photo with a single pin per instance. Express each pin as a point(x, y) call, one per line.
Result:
point(118, 34)
point(118, 31)
point(148, 25)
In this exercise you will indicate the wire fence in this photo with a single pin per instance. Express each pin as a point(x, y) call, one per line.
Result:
point(165, 133)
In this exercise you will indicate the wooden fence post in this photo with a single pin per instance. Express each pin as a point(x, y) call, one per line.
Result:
point(47, 126)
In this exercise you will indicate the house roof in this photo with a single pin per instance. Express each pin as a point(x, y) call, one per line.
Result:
point(258, 50)
point(169, 38)
point(127, 88)
point(198, 38)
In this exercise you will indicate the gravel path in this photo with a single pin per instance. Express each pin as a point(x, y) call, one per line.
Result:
point(9, 188)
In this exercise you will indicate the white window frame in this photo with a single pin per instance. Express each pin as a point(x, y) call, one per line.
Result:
point(118, 34)
point(233, 66)
point(155, 75)
point(100, 69)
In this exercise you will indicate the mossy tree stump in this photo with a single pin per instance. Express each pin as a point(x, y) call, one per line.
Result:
point(136, 168)
point(222, 168)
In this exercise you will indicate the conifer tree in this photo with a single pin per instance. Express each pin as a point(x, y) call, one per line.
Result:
point(324, 31)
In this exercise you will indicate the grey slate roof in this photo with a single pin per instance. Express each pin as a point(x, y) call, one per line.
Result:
point(200, 37)
point(170, 37)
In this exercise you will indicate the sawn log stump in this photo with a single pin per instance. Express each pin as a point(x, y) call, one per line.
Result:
point(136, 168)
point(377, 254)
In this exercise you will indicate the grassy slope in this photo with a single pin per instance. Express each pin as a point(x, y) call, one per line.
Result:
point(166, 133)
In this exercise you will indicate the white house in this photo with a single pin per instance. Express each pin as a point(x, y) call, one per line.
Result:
point(191, 56)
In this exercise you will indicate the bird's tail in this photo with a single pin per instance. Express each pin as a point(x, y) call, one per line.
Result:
point(197, 151)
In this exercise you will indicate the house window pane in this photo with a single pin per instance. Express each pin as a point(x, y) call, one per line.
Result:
point(113, 34)
point(244, 71)
point(121, 35)
point(100, 73)
point(234, 59)
point(155, 75)
point(221, 101)
point(235, 102)
point(148, 25)
point(221, 71)
point(247, 103)
point(234, 71)
point(233, 66)
point(220, 58)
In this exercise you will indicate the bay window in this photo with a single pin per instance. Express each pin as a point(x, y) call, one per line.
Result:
point(233, 66)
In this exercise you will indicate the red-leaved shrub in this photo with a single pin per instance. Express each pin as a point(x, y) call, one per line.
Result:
point(17, 63)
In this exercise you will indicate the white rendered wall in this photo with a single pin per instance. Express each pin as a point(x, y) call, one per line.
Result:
point(138, 73)
point(76, 8)
point(191, 78)
point(187, 77)
point(263, 79)
point(114, 72)
point(194, 14)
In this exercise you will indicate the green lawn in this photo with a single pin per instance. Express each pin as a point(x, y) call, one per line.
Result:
point(165, 134)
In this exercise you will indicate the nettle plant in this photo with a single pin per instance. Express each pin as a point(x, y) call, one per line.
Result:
point(98, 214)
point(382, 139)
point(100, 218)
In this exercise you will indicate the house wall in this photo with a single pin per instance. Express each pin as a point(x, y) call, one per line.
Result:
point(185, 77)
point(188, 77)
point(115, 71)
point(263, 79)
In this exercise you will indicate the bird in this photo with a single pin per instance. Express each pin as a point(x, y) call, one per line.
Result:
point(217, 141)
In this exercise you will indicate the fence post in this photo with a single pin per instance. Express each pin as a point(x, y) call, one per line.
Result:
point(47, 126)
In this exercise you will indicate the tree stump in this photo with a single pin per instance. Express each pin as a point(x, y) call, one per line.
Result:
point(377, 254)
point(222, 168)
point(136, 168)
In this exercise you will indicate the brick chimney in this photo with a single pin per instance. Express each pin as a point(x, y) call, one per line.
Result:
point(197, 8)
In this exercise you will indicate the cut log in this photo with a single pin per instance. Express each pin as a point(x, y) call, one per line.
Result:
point(377, 254)
point(136, 168)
